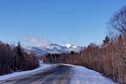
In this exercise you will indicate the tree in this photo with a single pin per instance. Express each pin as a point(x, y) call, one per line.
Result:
point(18, 59)
point(106, 41)
point(15, 59)
point(72, 52)
point(118, 22)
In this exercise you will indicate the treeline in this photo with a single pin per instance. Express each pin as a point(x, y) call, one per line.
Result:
point(14, 58)
point(108, 58)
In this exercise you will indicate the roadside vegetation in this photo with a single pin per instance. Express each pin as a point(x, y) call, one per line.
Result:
point(14, 58)
point(108, 58)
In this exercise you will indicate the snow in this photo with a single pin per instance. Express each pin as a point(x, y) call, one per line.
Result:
point(74, 46)
point(79, 75)
point(68, 45)
point(83, 75)
point(16, 74)
point(54, 48)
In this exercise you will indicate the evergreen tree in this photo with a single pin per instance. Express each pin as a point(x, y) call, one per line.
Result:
point(72, 52)
point(18, 59)
point(106, 41)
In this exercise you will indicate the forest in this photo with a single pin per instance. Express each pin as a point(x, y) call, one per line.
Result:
point(14, 58)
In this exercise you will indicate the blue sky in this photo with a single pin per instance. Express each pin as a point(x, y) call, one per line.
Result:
point(78, 22)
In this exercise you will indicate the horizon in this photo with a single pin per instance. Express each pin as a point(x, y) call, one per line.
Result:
point(44, 22)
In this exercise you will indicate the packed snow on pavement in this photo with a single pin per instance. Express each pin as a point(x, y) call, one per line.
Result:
point(83, 75)
point(16, 74)
point(80, 75)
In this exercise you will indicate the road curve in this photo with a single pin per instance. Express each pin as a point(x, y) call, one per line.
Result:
point(60, 74)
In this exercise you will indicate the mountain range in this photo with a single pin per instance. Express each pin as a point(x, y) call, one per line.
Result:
point(54, 48)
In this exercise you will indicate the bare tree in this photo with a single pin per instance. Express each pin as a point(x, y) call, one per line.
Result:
point(118, 22)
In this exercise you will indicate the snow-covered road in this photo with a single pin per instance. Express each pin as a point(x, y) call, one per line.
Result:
point(82, 75)
point(56, 74)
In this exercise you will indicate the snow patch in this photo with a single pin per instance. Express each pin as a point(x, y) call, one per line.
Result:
point(83, 75)
point(68, 45)
point(16, 74)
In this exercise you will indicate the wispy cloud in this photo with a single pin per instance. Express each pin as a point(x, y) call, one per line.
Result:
point(38, 41)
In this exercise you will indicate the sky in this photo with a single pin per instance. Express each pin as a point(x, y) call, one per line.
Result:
point(78, 22)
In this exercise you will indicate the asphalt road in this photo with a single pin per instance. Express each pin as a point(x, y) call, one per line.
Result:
point(60, 74)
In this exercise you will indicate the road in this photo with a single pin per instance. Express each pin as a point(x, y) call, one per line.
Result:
point(60, 74)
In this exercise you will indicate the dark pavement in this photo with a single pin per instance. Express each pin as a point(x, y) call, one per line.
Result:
point(60, 74)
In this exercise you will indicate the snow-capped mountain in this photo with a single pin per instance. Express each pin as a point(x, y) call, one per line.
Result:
point(54, 48)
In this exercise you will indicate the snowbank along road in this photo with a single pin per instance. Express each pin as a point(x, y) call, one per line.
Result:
point(59, 74)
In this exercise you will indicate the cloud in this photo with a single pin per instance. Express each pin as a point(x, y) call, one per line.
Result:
point(39, 41)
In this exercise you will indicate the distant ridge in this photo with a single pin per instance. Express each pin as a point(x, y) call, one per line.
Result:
point(54, 48)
